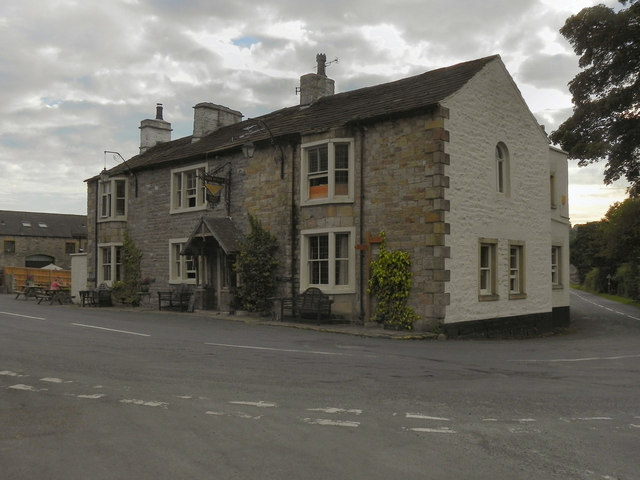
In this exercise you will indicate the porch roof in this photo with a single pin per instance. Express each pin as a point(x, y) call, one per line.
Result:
point(222, 229)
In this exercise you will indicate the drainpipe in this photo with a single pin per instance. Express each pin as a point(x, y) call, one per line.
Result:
point(292, 266)
point(361, 241)
point(95, 237)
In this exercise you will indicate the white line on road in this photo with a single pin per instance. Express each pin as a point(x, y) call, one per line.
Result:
point(28, 388)
point(606, 308)
point(22, 316)
point(250, 347)
point(111, 330)
point(135, 401)
point(427, 417)
point(432, 430)
point(259, 404)
point(584, 359)
point(331, 423)
point(354, 411)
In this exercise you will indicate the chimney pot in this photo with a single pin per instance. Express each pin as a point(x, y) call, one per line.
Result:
point(159, 111)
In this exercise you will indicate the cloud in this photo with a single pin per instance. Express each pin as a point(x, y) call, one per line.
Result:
point(77, 77)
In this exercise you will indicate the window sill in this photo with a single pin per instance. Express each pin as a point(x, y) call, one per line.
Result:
point(517, 296)
point(112, 219)
point(325, 201)
point(488, 298)
point(187, 210)
point(346, 290)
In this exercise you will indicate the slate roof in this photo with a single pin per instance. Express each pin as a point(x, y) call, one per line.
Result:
point(365, 104)
point(34, 224)
point(224, 230)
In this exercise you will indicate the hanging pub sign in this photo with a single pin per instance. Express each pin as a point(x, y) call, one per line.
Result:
point(216, 186)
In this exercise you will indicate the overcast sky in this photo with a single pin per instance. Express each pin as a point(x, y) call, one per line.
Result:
point(78, 76)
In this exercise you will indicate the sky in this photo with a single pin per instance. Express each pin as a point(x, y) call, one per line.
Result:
point(78, 76)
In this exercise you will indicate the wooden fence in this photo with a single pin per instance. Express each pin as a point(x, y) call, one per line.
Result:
point(15, 278)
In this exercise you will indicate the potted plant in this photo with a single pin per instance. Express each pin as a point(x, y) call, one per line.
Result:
point(144, 284)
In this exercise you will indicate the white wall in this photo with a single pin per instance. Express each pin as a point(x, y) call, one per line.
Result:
point(560, 222)
point(78, 275)
point(488, 110)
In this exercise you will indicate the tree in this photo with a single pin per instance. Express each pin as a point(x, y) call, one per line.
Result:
point(586, 248)
point(606, 94)
point(621, 231)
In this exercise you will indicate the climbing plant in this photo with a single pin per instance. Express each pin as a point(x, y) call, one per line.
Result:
point(256, 265)
point(126, 290)
point(390, 282)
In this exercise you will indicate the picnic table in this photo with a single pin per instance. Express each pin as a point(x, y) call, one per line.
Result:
point(30, 291)
point(61, 295)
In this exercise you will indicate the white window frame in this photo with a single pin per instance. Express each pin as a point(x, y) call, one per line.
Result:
point(331, 287)
point(487, 269)
point(180, 194)
point(305, 175)
point(179, 271)
point(517, 270)
point(556, 266)
point(108, 199)
point(502, 169)
point(112, 271)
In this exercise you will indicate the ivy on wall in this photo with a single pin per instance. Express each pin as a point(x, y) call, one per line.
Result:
point(390, 282)
point(126, 290)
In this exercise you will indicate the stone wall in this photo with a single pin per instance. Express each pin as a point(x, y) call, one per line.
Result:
point(26, 246)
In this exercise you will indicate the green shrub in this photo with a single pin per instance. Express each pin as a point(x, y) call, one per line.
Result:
point(626, 278)
point(256, 266)
point(390, 283)
point(592, 280)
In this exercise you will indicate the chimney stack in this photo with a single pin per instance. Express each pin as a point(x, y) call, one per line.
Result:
point(316, 85)
point(154, 131)
point(209, 117)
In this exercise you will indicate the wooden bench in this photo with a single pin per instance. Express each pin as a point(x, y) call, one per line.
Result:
point(310, 303)
point(174, 300)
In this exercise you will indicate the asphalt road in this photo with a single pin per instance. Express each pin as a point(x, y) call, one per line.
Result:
point(111, 394)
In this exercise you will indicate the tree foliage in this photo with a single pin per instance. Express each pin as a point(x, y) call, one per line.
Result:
point(610, 250)
point(256, 266)
point(606, 94)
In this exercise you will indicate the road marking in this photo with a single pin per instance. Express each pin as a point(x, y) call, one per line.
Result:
point(427, 417)
point(27, 388)
point(331, 423)
point(250, 347)
point(606, 308)
point(146, 404)
point(432, 430)
point(592, 418)
point(335, 410)
point(22, 316)
point(584, 359)
point(259, 404)
point(111, 330)
point(52, 380)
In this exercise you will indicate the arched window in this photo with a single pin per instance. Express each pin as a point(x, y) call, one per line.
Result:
point(38, 261)
point(502, 169)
